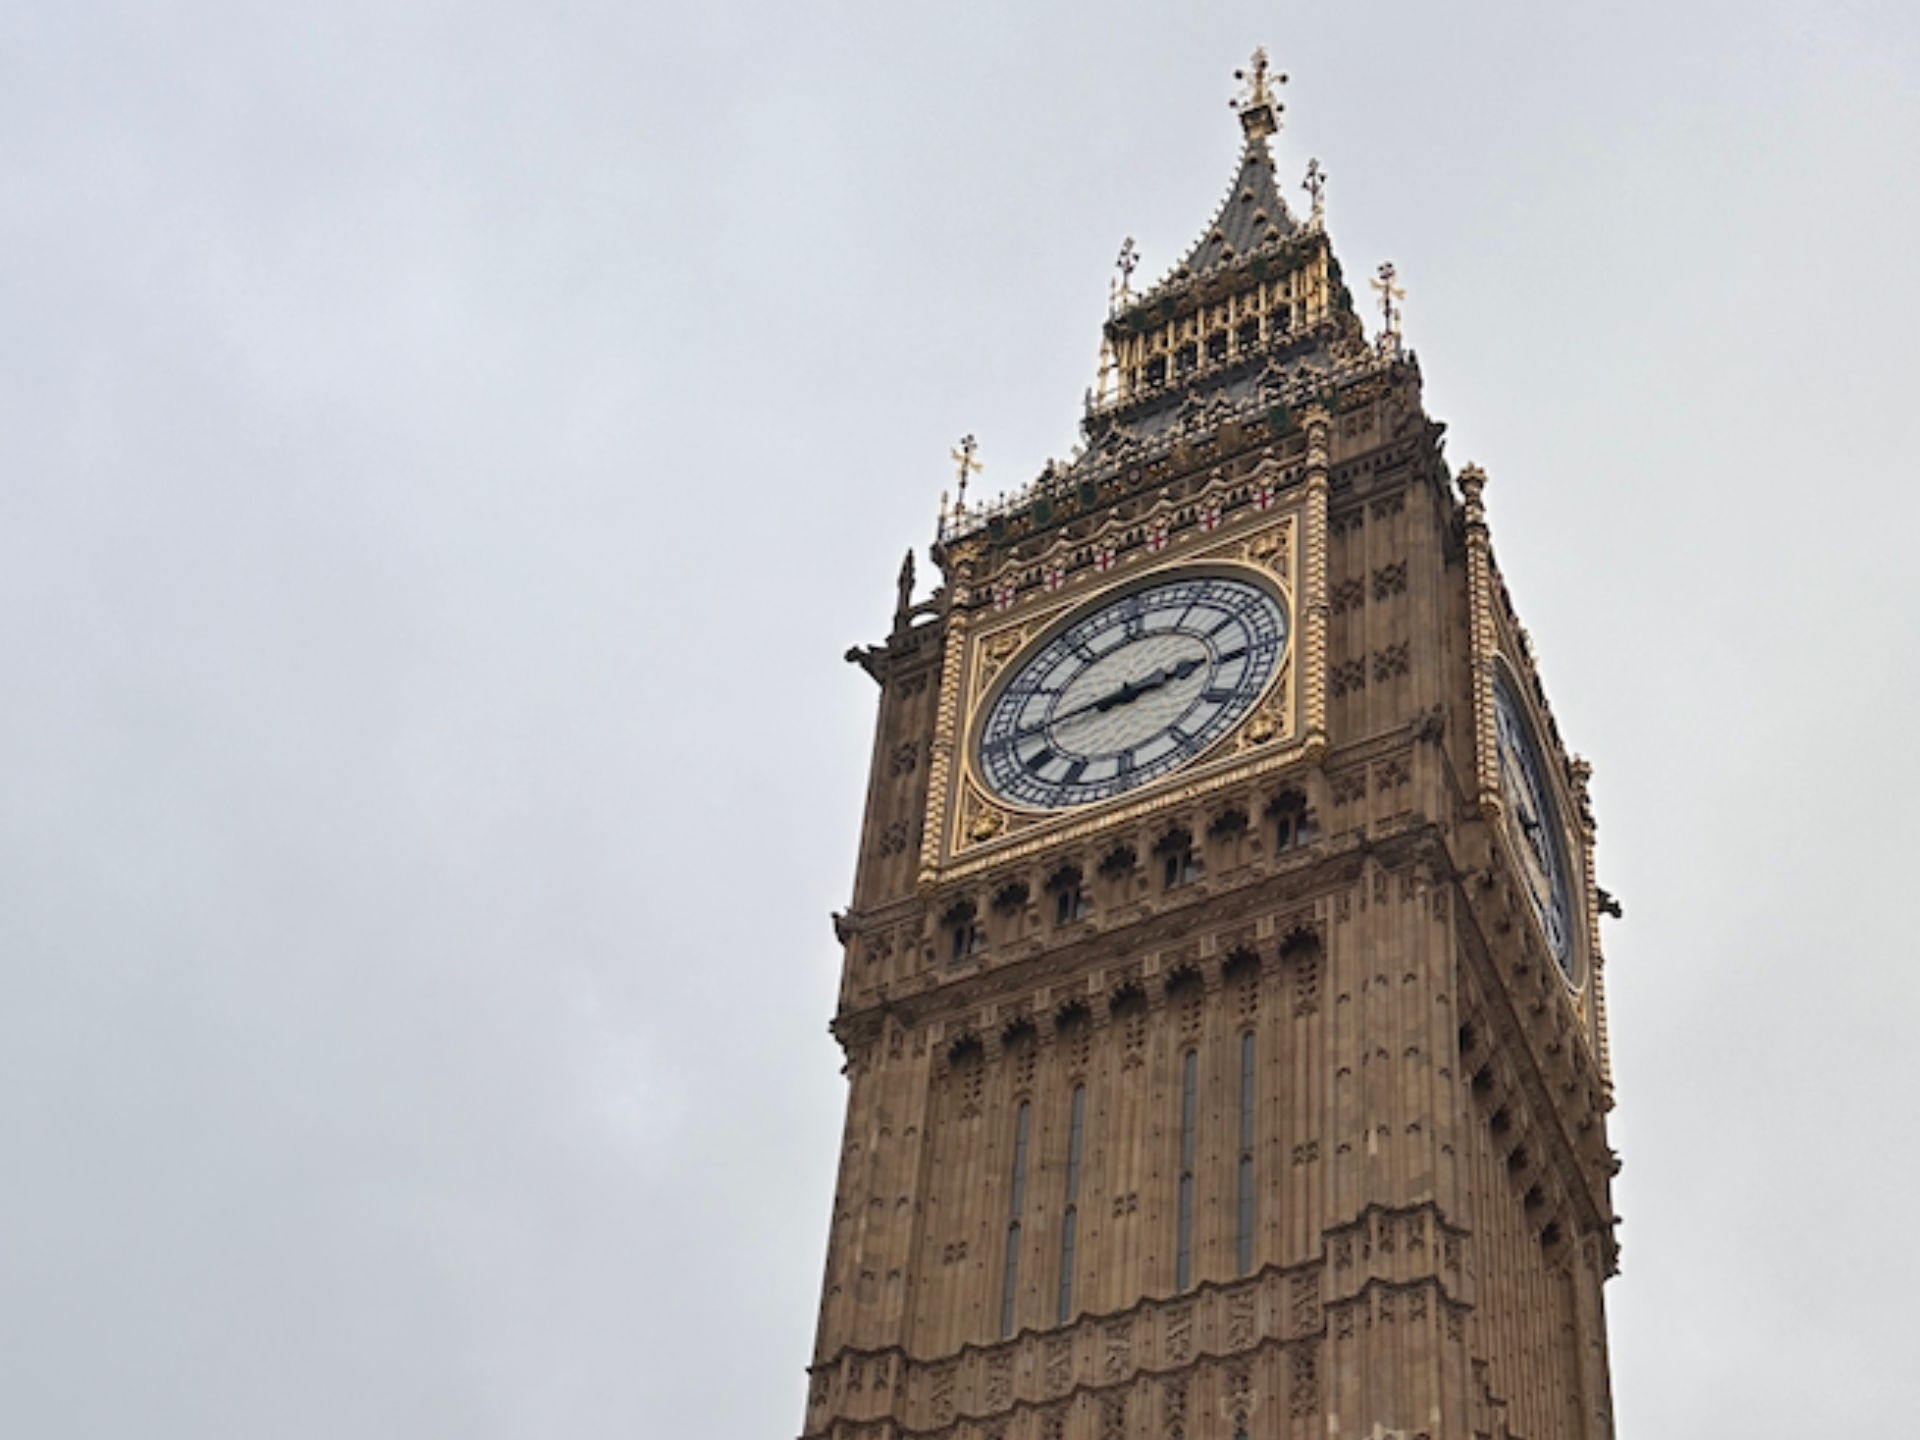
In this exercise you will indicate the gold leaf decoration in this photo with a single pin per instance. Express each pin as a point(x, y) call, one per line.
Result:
point(1269, 548)
point(995, 654)
point(980, 820)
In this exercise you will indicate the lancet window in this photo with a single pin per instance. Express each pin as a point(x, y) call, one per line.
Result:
point(1246, 1196)
point(1189, 1117)
point(1070, 1217)
point(1017, 1194)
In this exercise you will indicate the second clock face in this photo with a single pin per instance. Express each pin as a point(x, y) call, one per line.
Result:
point(1532, 822)
point(1130, 690)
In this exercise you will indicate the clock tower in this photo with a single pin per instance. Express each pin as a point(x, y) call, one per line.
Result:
point(1222, 1001)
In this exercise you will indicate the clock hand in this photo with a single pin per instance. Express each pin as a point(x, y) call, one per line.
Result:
point(1187, 666)
point(1104, 703)
point(1129, 691)
point(1132, 690)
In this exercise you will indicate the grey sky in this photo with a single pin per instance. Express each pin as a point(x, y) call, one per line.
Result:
point(445, 450)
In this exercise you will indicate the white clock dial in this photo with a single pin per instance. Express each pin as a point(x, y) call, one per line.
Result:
point(1130, 689)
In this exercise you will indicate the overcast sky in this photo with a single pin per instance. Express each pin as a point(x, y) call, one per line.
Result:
point(445, 450)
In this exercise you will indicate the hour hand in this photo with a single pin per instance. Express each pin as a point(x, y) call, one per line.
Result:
point(1126, 694)
point(1134, 689)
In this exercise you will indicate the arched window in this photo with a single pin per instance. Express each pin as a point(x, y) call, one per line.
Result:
point(1070, 1220)
point(1010, 1275)
point(1293, 824)
point(1179, 862)
point(965, 934)
point(1069, 895)
point(1189, 1107)
point(1243, 1229)
point(1116, 870)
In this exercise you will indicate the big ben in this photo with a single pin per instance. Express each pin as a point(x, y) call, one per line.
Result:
point(1222, 1003)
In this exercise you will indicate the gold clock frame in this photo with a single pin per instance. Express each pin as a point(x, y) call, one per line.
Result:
point(971, 830)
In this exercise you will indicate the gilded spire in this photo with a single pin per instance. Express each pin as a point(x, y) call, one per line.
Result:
point(1258, 105)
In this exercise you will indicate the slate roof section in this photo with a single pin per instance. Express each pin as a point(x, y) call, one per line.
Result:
point(1252, 215)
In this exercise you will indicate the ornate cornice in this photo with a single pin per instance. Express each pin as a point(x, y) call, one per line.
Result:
point(1283, 894)
point(1127, 463)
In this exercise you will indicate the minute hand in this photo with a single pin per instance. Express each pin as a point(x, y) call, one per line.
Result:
point(1130, 691)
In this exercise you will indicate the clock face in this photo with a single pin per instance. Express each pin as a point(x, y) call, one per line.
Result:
point(1531, 821)
point(1130, 690)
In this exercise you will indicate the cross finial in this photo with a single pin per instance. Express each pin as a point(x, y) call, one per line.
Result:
point(1256, 79)
point(1258, 106)
point(1120, 289)
point(1316, 186)
point(1389, 312)
point(963, 456)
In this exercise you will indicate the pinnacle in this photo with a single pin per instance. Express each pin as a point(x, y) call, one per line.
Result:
point(1253, 214)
